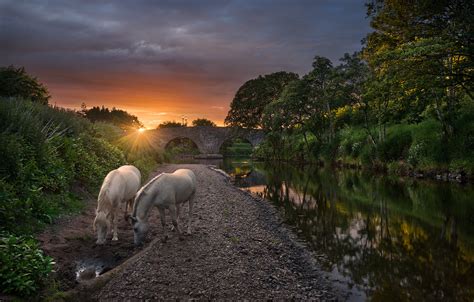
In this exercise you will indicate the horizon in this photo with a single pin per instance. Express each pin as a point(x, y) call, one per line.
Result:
point(162, 62)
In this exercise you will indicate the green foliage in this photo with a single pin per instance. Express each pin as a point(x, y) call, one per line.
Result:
point(247, 107)
point(236, 148)
point(421, 54)
point(117, 117)
point(170, 124)
point(44, 152)
point(16, 83)
point(396, 144)
point(181, 146)
point(405, 101)
point(429, 146)
point(203, 122)
point(137, 148)
point(352, 141)
point(23, 266)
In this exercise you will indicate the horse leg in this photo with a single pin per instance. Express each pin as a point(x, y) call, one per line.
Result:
point(163, 224)
point(178, 215)
point(190, 214)
point(128, 204)
point(114, 222)
point(174, 219)
point(179, 212)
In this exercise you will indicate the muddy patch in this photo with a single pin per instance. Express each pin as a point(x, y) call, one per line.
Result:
point(71, 242)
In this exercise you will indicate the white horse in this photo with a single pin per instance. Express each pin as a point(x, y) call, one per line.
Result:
point(119, 186)
point(165, 191)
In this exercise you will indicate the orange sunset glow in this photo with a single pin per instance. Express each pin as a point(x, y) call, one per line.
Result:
point(162, 61)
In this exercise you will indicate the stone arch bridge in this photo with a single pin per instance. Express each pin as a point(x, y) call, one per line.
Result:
point(207, 139)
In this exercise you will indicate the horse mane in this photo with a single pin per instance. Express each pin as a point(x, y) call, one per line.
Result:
point(142, 190)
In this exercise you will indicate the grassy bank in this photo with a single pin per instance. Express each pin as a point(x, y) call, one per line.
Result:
point(407, 149)
point(45, 153)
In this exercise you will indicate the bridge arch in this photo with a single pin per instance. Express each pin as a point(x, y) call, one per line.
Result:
point(182, 139)
point(231, 142)
point(208, 139)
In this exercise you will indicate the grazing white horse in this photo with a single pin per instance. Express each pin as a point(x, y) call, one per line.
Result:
point(165, 191)
point(119, 186)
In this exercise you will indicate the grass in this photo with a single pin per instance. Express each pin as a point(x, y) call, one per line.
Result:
point(47, 152)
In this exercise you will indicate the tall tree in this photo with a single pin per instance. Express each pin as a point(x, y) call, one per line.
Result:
point(16, 82)
point(250, 100)
point(322, 81)
point(422, 53)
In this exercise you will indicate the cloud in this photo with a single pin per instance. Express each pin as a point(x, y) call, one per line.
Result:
point(172, 54)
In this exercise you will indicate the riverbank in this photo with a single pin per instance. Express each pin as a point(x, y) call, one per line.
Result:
point(240, 249)
point(403, 169)
point(399, 169)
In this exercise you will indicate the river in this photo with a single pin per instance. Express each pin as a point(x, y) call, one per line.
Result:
point(385, 238)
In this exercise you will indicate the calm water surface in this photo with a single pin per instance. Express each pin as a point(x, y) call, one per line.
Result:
point(384, 238)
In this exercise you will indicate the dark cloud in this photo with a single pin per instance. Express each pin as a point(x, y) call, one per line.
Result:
point(203, 50)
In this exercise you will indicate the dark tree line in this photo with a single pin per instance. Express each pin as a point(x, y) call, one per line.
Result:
point(15, 82)
point(407, 95)
point(118, 117)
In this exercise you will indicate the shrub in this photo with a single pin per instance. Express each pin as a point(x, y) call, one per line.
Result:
point(396, 144)
point(23, 266)
point(427, 147)
point(44, 151)
point(352, 141)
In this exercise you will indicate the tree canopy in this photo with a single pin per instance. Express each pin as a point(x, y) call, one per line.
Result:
point(118, 117)
point(16, 82)
point(203, 122)
point(170, 124)
point(250, 100)
point(421, 55)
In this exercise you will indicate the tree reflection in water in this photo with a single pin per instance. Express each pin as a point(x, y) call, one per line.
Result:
point(395, 239)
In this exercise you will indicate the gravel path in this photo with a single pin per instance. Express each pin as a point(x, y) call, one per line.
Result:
point(239, 250)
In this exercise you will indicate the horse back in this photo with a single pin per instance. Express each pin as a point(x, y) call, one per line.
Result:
point(180, 184)
point(121, 184)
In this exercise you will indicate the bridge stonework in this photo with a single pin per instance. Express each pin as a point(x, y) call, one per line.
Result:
point(208, 139)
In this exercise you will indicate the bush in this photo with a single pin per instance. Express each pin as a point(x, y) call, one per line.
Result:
point(23, 266)
point(396, 144)
point(352, 140)
point(45, 151)
point(427, 148)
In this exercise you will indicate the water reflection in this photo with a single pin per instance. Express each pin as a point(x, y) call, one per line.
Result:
point(393, 239)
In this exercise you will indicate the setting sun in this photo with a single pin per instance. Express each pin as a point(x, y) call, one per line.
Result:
point(141, 130)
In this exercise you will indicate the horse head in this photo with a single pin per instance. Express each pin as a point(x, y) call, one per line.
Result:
point(140, 229)
point(102, 227)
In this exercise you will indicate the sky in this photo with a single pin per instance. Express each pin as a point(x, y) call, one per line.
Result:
point(162, 60)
